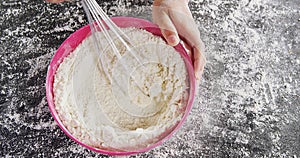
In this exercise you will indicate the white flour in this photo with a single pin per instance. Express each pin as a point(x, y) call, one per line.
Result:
point(120, 115)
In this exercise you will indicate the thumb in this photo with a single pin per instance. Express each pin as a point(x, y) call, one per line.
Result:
point(168, 30)
point(171, 37)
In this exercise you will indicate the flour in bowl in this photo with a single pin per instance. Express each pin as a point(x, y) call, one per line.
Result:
point(122, 108)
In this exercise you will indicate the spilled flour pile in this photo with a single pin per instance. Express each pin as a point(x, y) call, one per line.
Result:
point(124, 109)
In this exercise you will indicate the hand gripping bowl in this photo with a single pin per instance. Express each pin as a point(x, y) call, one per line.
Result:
point(75, 39)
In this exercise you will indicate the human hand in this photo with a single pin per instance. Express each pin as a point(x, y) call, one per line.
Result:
point(174, 17)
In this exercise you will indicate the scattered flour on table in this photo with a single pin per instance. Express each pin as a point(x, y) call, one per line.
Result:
point(121, 111)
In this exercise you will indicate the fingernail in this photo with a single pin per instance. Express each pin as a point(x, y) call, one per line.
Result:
point(172, 40)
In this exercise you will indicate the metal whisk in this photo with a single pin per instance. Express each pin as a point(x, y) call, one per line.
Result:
point(99, 21)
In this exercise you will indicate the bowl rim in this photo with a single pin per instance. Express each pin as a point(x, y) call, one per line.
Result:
point(75, 39)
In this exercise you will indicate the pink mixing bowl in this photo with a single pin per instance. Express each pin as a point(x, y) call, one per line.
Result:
point(75, 39)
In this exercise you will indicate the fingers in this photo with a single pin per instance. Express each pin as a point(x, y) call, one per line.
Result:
point(199, 60)
point(162, 19)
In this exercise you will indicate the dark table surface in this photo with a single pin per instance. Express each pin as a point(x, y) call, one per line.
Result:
point(249, 97)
